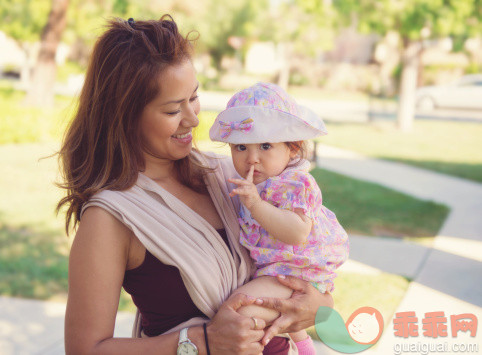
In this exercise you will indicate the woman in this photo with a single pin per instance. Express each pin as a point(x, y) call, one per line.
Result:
point(154, 215)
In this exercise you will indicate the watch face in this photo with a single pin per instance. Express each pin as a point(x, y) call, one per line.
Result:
point(186, 349)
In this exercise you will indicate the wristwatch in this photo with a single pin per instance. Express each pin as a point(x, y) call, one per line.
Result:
point(185, 346)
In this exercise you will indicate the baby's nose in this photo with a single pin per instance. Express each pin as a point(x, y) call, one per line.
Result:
point(253, 158)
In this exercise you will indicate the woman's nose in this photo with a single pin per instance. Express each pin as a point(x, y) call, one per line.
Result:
point(190, 119)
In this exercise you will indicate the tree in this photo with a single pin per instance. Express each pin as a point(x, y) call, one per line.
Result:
point(414, 21)
point(297, 29)
point(219, 20)
point(23, 20)
point(41, 89)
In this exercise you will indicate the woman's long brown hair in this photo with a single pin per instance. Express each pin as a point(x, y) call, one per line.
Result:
point(102, 148)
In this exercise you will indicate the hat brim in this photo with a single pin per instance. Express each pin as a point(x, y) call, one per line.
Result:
point(269, 125)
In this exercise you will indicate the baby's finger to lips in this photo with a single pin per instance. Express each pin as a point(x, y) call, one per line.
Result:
point(250, 174)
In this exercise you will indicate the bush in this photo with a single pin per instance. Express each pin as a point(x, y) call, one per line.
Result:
point(22, 124)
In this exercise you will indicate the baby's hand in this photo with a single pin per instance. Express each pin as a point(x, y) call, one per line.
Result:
point(248, 194)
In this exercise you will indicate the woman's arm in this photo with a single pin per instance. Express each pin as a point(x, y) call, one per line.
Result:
point(97, 263)
point(290, 227)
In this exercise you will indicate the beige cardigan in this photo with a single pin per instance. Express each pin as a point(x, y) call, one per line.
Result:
point(180, 237)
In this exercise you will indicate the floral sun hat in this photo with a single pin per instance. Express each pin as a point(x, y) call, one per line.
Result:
point(265, 113)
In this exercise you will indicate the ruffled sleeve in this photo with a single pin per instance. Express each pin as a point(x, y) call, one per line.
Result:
point(291, 190)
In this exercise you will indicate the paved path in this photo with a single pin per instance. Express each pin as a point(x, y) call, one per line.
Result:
point(447, 277)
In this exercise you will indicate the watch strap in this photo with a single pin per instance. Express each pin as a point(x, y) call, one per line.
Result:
point(183, 336)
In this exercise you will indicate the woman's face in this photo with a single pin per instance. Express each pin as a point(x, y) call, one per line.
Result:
point(167, 121)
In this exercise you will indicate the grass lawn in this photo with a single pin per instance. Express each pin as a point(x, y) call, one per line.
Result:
point(371, 209)
point(452, 148)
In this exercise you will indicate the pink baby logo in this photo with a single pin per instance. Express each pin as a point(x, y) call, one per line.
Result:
point(362, 330)
point(365, 325)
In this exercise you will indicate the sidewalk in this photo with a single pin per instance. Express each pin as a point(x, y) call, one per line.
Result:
point(446, 277)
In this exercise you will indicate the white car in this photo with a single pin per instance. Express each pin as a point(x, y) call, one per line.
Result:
point(464, 93)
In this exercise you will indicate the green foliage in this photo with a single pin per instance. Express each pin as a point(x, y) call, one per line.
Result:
point(473, 68)
point(206, 119)
point(21, 124)
point(409, 17)
point(219, 20)
point(306, 25)
point(23, 20)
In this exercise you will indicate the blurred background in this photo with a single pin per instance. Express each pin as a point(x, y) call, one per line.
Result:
point(395, 80)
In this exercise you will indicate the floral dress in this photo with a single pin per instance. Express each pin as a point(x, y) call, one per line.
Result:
point(326, 247)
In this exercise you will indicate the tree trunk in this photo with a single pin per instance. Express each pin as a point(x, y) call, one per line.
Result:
point(408, 85)
point(284, 72)
point(41, 90)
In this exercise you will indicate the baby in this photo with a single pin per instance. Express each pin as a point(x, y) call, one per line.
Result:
point(283, 222)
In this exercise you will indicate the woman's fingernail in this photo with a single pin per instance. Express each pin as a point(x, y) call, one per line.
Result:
point(282, 276)
point(258, 301)
point(266, 341)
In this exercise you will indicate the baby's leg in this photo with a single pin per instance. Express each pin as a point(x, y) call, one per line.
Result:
point(263, 286)
point(303, 342)
point(299, 336)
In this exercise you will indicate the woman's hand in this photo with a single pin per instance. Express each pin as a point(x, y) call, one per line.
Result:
point(231, 333)
point(299, 311)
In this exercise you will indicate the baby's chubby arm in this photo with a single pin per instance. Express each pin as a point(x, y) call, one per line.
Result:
point(290, 227)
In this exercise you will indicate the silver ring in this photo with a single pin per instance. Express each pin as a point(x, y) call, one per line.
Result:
point(255, 323)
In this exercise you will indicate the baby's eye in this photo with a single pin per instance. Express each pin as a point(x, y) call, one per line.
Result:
point(265, 146)
point(240, 147)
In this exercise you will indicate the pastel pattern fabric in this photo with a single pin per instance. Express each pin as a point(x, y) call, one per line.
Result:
point(267, 95)
point(325, 249)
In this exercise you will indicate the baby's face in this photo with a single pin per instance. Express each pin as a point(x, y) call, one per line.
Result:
point(269, 159)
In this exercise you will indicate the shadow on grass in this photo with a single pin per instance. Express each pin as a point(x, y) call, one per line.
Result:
point(33, 263)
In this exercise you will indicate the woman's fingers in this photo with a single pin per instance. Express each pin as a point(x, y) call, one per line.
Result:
point(239, 300)
point(258, 323)
point(278, 326)
point(294, 283)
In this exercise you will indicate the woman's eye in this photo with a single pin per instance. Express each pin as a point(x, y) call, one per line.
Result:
point(265, 146)
point(173, 113)
point(240, 148)
point(192, 99)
